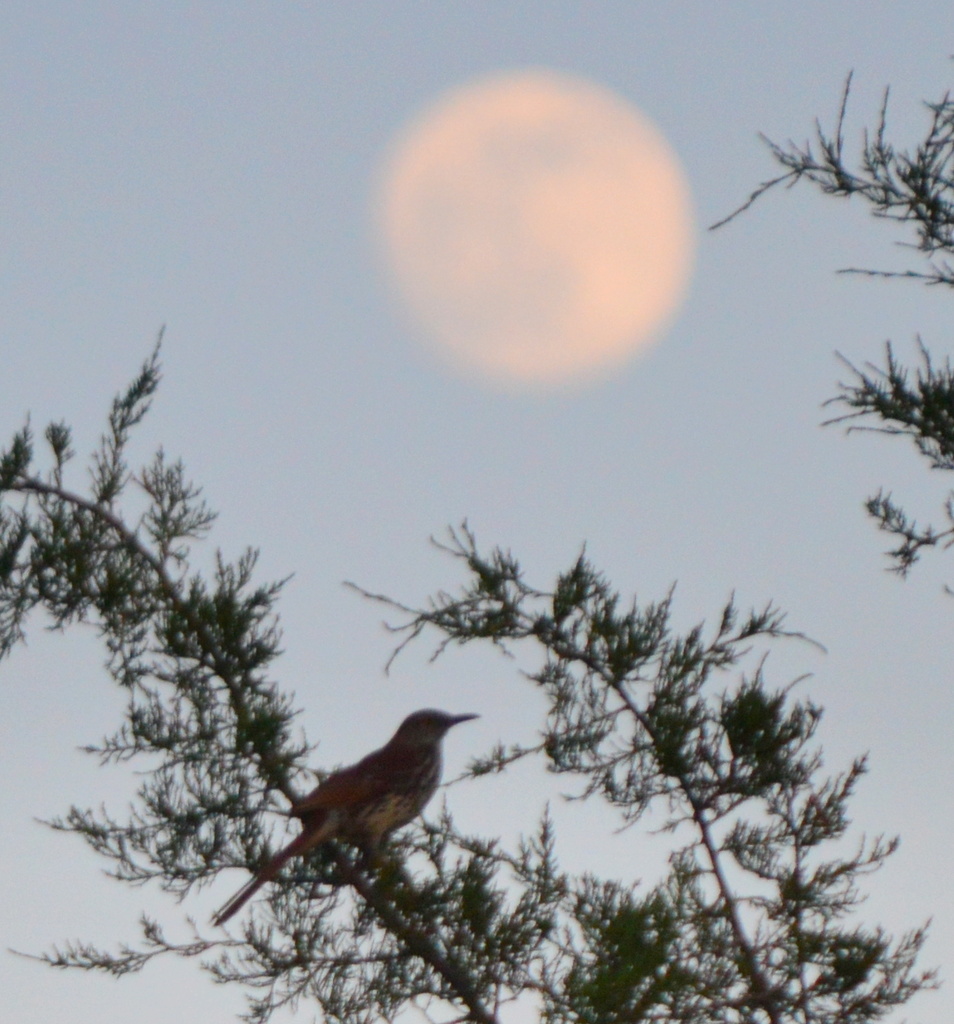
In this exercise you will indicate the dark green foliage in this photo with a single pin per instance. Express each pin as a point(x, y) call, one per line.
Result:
point(914, 186)
point(750, 924)
point(921, 409)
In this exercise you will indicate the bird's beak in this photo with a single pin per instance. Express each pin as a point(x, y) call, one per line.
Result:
point(457, 719)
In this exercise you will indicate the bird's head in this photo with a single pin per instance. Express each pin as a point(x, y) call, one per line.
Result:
point(427, 726)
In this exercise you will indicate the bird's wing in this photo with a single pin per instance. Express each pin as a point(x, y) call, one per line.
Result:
point(360, 782)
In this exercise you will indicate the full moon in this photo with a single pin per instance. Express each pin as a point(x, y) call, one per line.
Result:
point(536, 228)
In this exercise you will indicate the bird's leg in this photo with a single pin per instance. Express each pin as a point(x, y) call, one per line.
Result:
point(369, 857)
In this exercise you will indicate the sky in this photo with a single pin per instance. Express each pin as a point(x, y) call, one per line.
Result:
point(211, 168)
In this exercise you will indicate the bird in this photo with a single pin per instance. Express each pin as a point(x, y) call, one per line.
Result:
point(365, 802)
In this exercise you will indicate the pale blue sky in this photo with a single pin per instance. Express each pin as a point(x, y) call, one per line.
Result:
point(209, 167)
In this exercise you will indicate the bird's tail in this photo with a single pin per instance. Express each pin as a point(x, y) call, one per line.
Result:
point(239, 900)
point(300, 844)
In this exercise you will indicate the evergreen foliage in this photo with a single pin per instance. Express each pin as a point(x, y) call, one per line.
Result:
point(755, 920)
point(915, 187)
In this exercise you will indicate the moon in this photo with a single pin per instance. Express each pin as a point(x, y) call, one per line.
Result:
point(536, 228)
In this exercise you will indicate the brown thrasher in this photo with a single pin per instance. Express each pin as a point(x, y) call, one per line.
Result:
point(365, 802)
